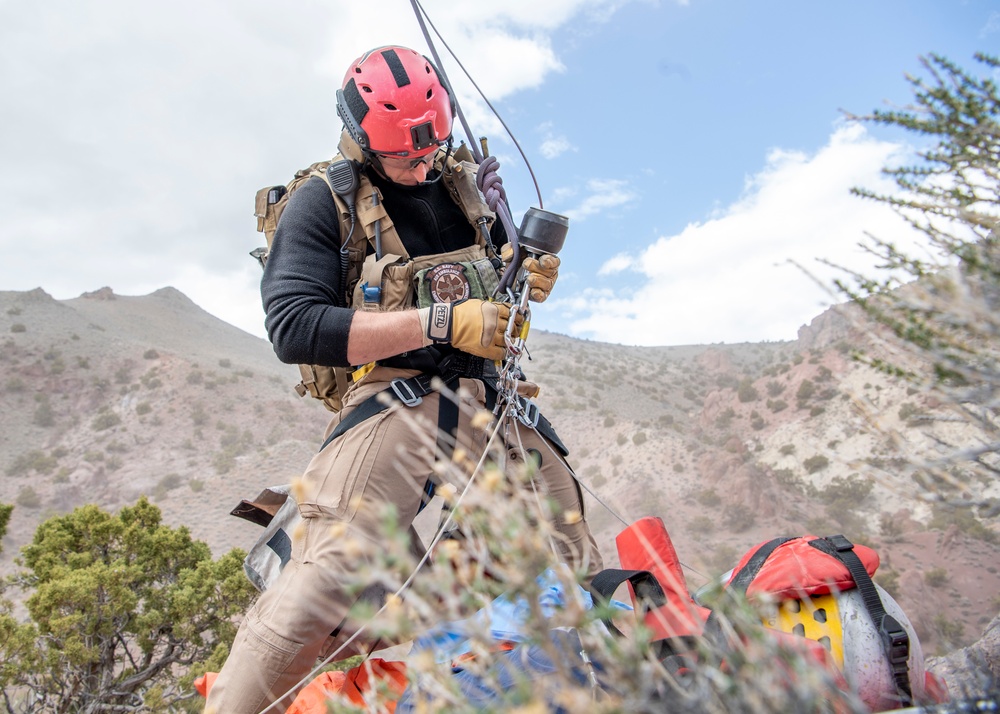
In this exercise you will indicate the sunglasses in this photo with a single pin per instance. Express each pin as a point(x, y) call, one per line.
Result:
point(393, 161)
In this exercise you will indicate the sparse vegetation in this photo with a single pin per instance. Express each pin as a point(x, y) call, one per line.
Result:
point(105, 419)
point(816, 463)
point(936, 577)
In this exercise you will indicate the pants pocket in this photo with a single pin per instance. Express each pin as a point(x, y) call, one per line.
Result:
point(335, 479)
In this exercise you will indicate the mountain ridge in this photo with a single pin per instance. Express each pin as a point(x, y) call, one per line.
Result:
point(110, 397)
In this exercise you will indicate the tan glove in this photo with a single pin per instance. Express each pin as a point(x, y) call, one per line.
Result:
point(473, 326)
point(541, 272)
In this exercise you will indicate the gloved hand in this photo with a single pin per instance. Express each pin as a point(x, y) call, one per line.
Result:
point(473, 326)
point(541, 275)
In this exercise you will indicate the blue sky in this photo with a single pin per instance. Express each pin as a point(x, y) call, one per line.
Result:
point(698, 147)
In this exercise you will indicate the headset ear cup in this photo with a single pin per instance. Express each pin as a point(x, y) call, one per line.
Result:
point(353, 126)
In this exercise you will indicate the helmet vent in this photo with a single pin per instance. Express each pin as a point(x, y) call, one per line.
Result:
point(390, 107)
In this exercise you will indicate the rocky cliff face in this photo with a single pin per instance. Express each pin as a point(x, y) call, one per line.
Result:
point(109, 397)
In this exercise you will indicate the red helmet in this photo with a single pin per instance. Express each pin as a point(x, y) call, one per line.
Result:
point(394, 102)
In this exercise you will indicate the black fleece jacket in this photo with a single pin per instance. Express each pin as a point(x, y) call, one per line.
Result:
point(307, 320)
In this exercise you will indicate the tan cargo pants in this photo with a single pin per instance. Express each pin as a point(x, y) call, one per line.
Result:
point(383, 460)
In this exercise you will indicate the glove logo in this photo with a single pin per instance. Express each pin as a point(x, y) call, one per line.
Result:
point(448, 283)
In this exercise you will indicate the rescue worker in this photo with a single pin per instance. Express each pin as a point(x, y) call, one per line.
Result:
point(398, 114)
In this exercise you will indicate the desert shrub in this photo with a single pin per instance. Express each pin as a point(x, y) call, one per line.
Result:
point(105, 419)
point(846, 493)
point(787, 449)
point(44, 415)
point(816, 463)
point(143, 408)
point(725, 418)
point(948, 631)
point(738, 517)
point(18, 327)
point(889, 527)
point(34, 460)
point(709, 498)
point(151, 354)
point(609, 421)
point(777, 405)
point(701, 524)
point(199, 417)
point(28, 497)
point(621, 439)
point(774, 388)
point(225, 363)
point(167, 483)
point(123, 374)
point(746, 391)
point(936, 577)
point(639, 438)
point(946, 515)
point(889, 580)
point(805, 391)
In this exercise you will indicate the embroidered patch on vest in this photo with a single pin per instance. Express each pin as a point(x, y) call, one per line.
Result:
point(448, 283)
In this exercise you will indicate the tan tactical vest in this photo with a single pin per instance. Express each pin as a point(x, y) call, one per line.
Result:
point(398, 281)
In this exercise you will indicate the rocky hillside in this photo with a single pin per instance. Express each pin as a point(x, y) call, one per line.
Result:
point(109, 397)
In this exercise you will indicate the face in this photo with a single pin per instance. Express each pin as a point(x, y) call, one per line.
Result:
point(407, 172)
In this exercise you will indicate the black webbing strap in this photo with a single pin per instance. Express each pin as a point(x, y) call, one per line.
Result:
point(643, 582)
point(739, 582)
point(649, 592)
point(895, 640)
point(405, 391)
point(644, 585)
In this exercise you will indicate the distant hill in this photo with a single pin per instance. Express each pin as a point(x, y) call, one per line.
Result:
point(107, 397)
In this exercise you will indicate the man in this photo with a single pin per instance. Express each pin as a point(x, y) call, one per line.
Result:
point(416, 307)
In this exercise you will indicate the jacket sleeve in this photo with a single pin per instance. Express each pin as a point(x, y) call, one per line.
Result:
point(306, 319)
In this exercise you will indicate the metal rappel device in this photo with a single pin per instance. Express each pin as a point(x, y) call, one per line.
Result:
point(542, 232)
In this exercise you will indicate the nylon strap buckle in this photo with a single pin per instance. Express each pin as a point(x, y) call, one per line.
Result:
point(529, 413)
point(404, 392)
point(840, 543)
point(897, 644)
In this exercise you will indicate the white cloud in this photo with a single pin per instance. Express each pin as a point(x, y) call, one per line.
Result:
point(616, 264)
point(554, 146)
point(134, 139)
point(602, 195)
point(729, 278)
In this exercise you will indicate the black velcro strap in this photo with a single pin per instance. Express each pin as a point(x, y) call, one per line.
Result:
point(644, 585)
point(741, 580)
point(396, 67)
point(355, 102)
point(643, 582)
point(895, 640)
